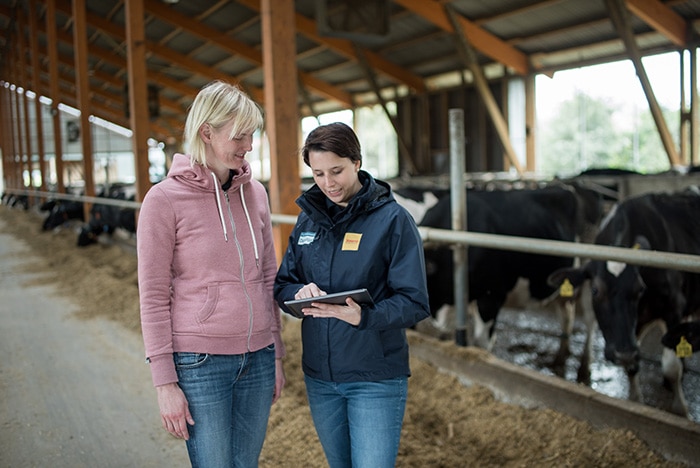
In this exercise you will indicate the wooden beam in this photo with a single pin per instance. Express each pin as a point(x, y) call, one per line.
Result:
point(482, 40)
point(138, 93)
point(619, 16)
point(6, 135)
point(530, 124)
point(54, 92)
point(113, 108)
point(26, 156)
point(281, 109)
point(108, 56)
point(235, 47)
point(34, 51)
point(694, 109)
point(17, 63)
point(82, 85)
point(662, 18)
point(196, 67)
point(307, 27)
point(469, 56)
point(404, 152)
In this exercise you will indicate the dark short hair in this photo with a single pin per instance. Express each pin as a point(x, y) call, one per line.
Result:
point(335, 137)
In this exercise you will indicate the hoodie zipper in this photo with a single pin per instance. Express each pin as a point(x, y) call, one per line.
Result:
point(242, 269)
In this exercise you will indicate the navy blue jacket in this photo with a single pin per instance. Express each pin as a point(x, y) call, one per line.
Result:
point(372, 243)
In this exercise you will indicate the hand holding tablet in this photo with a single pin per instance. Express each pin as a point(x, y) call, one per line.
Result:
point(361, 296)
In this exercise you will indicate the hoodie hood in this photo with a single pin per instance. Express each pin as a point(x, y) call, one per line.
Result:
point(200, 177)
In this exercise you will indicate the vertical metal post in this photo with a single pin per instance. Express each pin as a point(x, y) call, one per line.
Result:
point(458, 199)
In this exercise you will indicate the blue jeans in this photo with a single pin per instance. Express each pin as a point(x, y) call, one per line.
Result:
point(358, 423)
point(229, 398)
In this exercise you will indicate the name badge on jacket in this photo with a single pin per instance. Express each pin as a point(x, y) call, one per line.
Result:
point(351, 241)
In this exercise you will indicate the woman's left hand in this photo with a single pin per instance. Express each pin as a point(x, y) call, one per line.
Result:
point(350, 313)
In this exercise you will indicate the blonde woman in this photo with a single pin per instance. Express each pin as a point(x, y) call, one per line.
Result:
point(206, 268)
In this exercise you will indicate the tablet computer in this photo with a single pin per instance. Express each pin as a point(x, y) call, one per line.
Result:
point(361, 296)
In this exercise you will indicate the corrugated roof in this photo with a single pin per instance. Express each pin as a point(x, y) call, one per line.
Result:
point(191, 42)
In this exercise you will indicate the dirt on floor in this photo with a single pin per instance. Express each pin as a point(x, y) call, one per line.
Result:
point(447, 424)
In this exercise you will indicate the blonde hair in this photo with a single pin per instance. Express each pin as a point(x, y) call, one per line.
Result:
point(217, 104)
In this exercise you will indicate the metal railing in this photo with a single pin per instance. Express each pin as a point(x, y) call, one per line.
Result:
point(649, 258)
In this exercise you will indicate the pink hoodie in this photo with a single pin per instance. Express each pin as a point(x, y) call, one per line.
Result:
point(206, 267)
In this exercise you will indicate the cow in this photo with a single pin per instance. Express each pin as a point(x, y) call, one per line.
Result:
point(683, 339)
point(554, 212)
point(628, 299)
point(60, 212)
point(15, 201)
point(105, 219)
point(418, 200)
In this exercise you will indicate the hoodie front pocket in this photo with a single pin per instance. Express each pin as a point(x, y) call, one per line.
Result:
point(225, 310)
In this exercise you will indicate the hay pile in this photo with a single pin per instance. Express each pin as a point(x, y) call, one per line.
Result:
point(446, 424)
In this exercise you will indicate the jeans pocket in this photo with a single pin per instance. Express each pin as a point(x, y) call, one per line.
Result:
point(189, 360)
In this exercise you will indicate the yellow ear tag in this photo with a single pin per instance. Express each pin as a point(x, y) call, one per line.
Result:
point(637, 246)
point(566, 289)
point(684, 349)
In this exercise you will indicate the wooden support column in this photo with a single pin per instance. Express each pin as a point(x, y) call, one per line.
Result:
point(694, 108)
point(499, 122)
point(530, 124)
point(5, 132)
point(684, 121)
point(54, 90)
point(281, 110)
point(23, 80)
point(82, 86)
point(16, 156)
point(138, 93)
point(36, 86)
point(17, 119)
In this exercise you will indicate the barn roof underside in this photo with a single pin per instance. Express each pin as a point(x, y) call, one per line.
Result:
point(345, 50)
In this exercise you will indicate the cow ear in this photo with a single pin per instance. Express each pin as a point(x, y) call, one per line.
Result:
point(574, 276)
point(641, 242)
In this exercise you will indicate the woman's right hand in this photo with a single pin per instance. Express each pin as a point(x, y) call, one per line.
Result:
point(310, 290)
point(174, 410)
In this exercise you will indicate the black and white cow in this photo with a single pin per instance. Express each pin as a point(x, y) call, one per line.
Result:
point(105, 219)
point(683, 339)
point(556, 212)
point(60, 212)
point(628, 298)
point(15, 201)
point(418, 200)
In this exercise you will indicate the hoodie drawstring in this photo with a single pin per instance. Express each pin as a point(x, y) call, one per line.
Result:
point(250, 226)
point(247, 217)
point(218, 204)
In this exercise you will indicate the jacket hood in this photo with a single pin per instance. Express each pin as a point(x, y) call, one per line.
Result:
point(200, 177)
point(373, 194)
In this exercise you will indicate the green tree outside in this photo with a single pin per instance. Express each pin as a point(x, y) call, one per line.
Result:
point(588, 132)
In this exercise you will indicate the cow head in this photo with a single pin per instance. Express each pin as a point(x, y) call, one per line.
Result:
point(617, 290)
point(88, 236)
point(686, 334)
